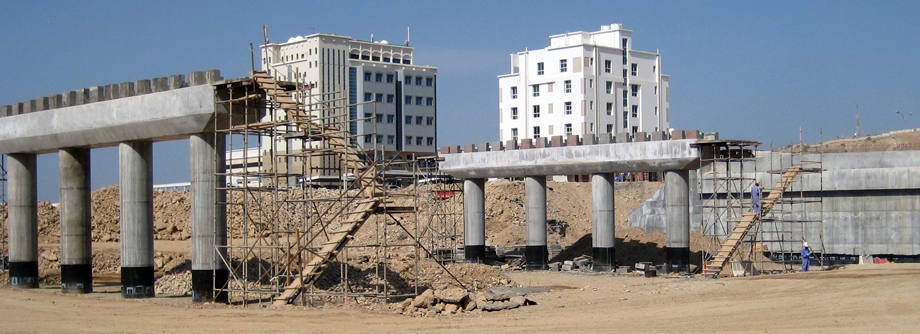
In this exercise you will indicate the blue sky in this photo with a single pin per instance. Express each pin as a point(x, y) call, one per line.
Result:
point(748, 70)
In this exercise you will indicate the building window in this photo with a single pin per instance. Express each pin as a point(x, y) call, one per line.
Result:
point(656, 90)
point(656, 111)
point(635, 111)
point(418, 120)
point(368, 139)
point(514, 114)
point(430, 141)
point(536, 132)
point(429, 82)
point(418, 81)
point(367, 76)
point(429, 101)
point(590, 105)
point(539, 68)
point(418, 140)
point(625, 99)
point(375, 58)
point(408, 80)
point(353, 56)
point(568, 86)
point(625, 74)
point(568, 107)
point(378, 77)
point(378, 97)
point(635, 90)
point(514, 134)
point(418, 100)
point(429, 121)
point(514, 92)
point(635, 69)
point(609, 87)
point(368, 115)
point(536, 111)
point(609, 108)
point(389, 78)
point(635, 129)
point(391, 119)
point(386, 59)
point(379, 119)
point(590, 83)
point(408, 140)
point(654, 68)
point(368, 97)
point(536, 90)
point(391, 139)
point(390, 98)
point(408, 100)
point(408, 119)
point(625, 120)
point(379, 139)
point(624, 58)
point(625, 44)
point(563, 65)
point(607, 66)
point(568, 129)
point(609, 128)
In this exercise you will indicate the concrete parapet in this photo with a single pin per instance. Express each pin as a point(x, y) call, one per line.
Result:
point(96, 94)
point(6, 111)
point(111, 92)
point(55, 101)
point(468, 148)
point(540, 142)
point(197, 78)
point(605, 138)
point(17, 108)
point(511, 144)
point(497, 146)
point(176, 81)
point(142, 87)
point(624, 137)
point(126, 89)
point(212, 76)
point(160, 84)
point(555, 141)
point(588, 139)
point(526, 143)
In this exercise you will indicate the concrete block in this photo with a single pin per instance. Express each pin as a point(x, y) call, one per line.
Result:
point(6, 111)
point(604, 138)
point(588, 139)
point(41, 103)
point(659, 135)
point(483, 147)
point(497, 146)
point(197, 78)
point(711, 136)
point(555, 141)
point(444, 150)
point(212, 76)
point(160, 84)
point(111, 92)
point(176, 81)
point(68, 98)
point(455, 149)
point(693, 134)
point(55, 101)
point(142, 87)
point(624, 137)
point(511, 144)
point(640, 136)
point(540, 142)
point(469, 148)
point(96, 94)
point(678, 134)
point(17, 108)
point(28, 106)
point(572, 140)
point(126, 89)
point(526, 143)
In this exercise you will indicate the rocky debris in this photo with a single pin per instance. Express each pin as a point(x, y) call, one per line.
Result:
point(452, 295)
point(178, 284)
point(438, 302)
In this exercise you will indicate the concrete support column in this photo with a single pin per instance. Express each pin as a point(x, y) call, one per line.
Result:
point(535, 218)
point(136, 188)
point(474, 220)
point(76, 228)
point(209, 217)
point(677, 208)
point(23, 220)
point(602, 212)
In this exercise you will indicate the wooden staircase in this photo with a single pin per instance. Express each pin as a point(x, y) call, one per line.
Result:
point(730, 245)
point(365, 177)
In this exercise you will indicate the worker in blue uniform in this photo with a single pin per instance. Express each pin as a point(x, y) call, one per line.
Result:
point(806, 252)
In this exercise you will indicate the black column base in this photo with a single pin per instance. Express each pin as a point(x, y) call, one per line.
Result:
point(474, 253)
point(604, 259)
point(24, 275)
point(137, 282)
point(536, 257)
point(205, 281)
point(678, 259)
point(76, 278)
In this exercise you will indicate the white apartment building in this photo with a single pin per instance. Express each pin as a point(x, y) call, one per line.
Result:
point(583, 83)
point(391, 102)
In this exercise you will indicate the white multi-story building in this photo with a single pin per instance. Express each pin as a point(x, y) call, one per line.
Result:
point(583, 83)
point(391, 102)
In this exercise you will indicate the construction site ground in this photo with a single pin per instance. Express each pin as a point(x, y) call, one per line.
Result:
point(855, 299)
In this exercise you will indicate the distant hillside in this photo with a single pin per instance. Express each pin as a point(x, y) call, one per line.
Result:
point(901, 140)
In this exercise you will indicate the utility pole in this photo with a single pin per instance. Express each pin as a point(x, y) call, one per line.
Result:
point(857, 121)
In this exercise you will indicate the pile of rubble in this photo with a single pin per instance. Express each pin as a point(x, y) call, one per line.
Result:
point(456, 301)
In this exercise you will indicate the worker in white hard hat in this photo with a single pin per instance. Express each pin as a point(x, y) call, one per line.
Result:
point(806, 252)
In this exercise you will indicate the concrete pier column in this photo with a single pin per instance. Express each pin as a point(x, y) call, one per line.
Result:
point(602, 212)
point(209, 217)
point(474, 220)
point(23, 220)
point(677, 208)
point(136, 189)
point(535, 219)
point(76, 228)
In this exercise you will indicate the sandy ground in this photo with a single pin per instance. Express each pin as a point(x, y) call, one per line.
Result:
point(856, 299)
